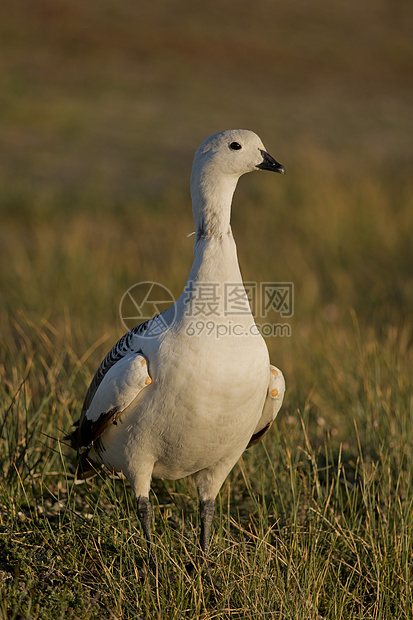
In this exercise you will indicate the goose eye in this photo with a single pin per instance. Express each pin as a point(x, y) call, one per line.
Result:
point(235, 146)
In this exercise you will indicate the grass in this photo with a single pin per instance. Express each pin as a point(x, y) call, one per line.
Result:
point(97, 134)
point(315, 522)
point(304, 528)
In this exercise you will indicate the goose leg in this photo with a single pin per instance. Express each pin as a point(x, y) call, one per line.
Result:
point(145, 518)
point(207, 508)
point(206, 512)
point(209, 482)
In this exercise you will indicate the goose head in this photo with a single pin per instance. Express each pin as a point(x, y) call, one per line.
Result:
point(235, 152)
point(218, 164)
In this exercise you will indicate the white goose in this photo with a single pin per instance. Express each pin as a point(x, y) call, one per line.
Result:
point(167, 402)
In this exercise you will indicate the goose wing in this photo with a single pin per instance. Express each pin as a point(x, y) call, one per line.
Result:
point(121, 376)
point(272, 405)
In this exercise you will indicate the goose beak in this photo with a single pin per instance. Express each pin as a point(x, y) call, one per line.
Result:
point(269, 163)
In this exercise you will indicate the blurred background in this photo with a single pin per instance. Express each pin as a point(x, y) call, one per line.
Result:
point(102, 107)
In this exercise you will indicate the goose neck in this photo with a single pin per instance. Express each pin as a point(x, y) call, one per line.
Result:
point(211, 203)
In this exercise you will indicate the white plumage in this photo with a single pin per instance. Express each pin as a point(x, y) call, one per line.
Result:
point(167, 402)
